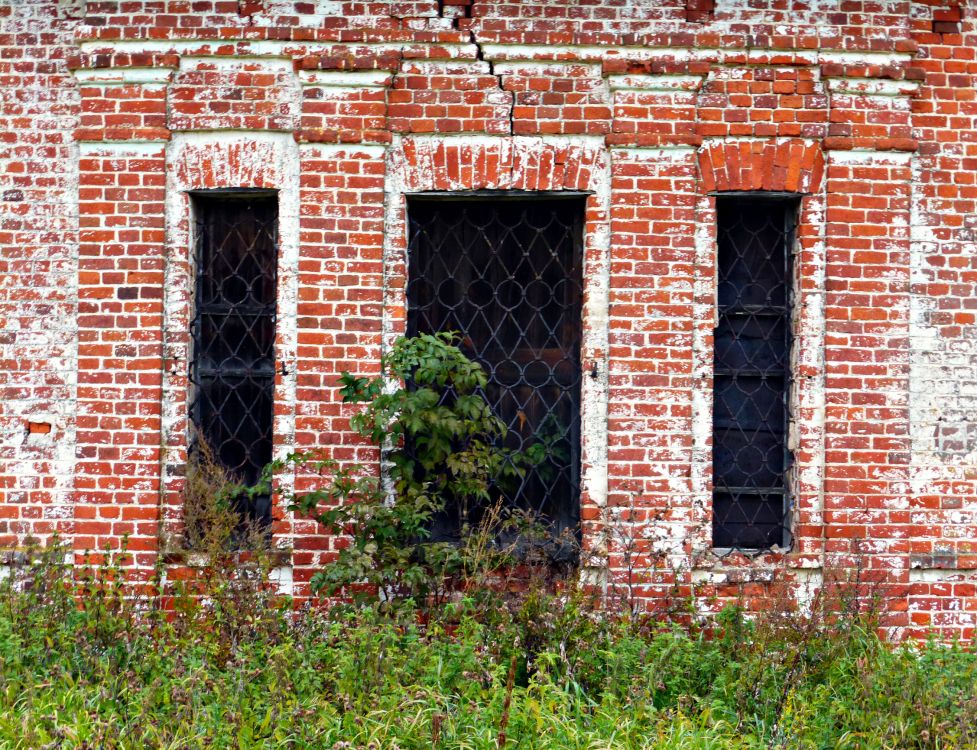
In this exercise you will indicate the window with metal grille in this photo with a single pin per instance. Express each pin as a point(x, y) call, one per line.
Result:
point(232, 370)
point(752, 371)
point(506, 273)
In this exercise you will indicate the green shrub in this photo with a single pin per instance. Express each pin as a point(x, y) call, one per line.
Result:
point(442, 445)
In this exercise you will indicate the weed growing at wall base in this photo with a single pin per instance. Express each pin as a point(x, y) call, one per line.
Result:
point(82, 667)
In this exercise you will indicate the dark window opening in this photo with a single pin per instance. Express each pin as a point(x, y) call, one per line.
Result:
point(507, 274)
point(232, 369)
point(752, 371)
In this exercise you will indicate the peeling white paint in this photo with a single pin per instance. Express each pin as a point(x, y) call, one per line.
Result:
point(671, 83)
point(546, 67)
point(345, 79)
point(259, 48)
point(333, 150)
point(775, 141)
point(120, 148)
point(152, 78)
point(807, 586)
point(674, 153)
point(193, 63)
point(869, 156)
point(281, 578)
point(40, 277)
point(704, 313)
point(881, 87)
point(531, 52)
point(523, 142)
point(942, 575)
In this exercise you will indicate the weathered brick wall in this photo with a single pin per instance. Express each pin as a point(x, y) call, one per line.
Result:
point(942, 309)
point(112, 110)
point(39, 108)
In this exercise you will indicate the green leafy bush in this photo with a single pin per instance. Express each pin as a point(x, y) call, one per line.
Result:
point(441, 445)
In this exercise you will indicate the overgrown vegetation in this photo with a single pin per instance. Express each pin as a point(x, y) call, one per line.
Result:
point(464, 659)
point(213, 500)
point(82, 667)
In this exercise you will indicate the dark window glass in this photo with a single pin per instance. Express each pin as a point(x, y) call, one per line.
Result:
point(752, 360)
point(232, 371)
point(507, 275)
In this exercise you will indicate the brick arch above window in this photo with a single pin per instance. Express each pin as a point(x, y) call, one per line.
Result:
point(792, 166)
point(492, 163)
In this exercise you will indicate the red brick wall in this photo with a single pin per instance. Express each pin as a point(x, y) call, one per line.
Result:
point(111, 110)
point(39, 109)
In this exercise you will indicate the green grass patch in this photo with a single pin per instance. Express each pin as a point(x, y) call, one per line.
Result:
point(83, 666)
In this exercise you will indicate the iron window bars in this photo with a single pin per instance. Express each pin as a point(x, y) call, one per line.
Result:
point(752, 371)
point(232, 370)
point(506, 272)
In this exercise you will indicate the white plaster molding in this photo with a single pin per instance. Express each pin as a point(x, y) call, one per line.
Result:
point(345, 79)
point(872, 87)
point(536, 67)
point(445, 67)
point(227, 137)
point(222, 62)
point(656, 153)
point(669, 83)
point(254, 48)
point(151, 78)
point(336, 149)
point(775, 141)
point(862, 57)
point(869, 156)
point(559, 52)
point(481, 140)
point(120, 148)
point(550, 54)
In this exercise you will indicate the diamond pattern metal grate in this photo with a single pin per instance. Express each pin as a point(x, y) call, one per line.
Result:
point(507, 275)
point(752, 362)
point(232, 370)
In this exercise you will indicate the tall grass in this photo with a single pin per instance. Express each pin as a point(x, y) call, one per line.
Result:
point(83, 666)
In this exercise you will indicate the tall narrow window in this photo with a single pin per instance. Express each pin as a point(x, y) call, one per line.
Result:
point(507, 275)
point(232, 370)
point(752, 378)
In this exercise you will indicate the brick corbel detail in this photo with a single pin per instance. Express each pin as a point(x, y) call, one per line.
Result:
point(793, 166)
point(344, 106)
point(868, 113)
point(123, 104)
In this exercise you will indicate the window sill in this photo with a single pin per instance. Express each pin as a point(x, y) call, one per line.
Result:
point(724, 553)
point(751, 566)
